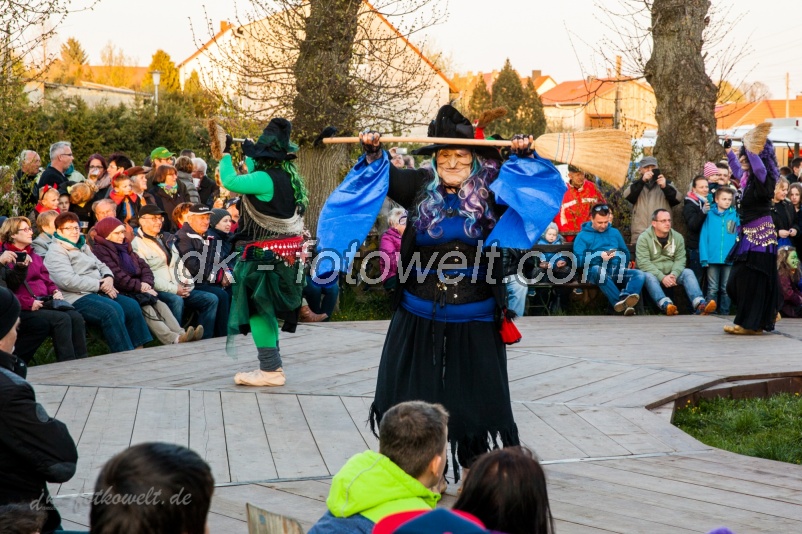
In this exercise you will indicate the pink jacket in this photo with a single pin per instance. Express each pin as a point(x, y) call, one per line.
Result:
point(390, 245)
point(38, 279)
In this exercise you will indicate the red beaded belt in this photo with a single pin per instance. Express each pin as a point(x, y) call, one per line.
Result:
point(289, 249)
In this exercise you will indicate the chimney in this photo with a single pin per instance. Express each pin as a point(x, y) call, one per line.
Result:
point(536, 74)
point(224, 25)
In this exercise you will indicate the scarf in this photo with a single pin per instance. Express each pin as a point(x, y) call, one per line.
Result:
point(170, 190)
point(123, 252)
point(80, 244)
point(119, 198)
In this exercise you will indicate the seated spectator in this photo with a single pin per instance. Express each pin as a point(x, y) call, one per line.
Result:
point(44, 223)
point(550, 260)
point(36, 293)
point(128, 202)
point(159, 156)
point(179, 215)
point(506, 490)
point(577, 201)
point(48, 200)
point(207, 189)
point(180, 480)
point(220, 228)
point(166, 192)
point(601, 252)
point(34, 448)
point(390, 247)
point(648, 193)
point(320, 301)
point(118, 164)
point(139, 182)
point(80, 203)
point(694, 211)
point(232, 207)
point(437, 521)
point(660, 254)
point(20, 518)
point(718, 236)
point(788, 271)
point(783, 214)
point(151, 245)
point(134, 279)
point(103, 209)
point(184, 168)
point(191, 238)
point(372, 485)
point(82, 278)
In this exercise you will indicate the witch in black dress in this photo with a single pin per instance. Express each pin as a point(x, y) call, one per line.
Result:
point(443, 344)
point(753, 284)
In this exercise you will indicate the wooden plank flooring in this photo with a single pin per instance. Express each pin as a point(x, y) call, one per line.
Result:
point(580, 386)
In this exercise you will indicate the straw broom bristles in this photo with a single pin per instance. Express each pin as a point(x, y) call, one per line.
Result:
point(217, 138)
point(755, 139)
point(605, 153)
point(489, 116)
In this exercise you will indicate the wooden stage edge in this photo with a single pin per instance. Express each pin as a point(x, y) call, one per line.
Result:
point(589, 396)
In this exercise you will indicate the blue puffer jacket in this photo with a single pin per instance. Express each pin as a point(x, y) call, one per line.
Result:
point(718, 236)
point(589, 243)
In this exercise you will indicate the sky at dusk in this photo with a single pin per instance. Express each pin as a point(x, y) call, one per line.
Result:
point(559, 38)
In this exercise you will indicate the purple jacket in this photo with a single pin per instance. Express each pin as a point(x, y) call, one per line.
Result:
point(124, 282)
point(38, 278)
point(391, 246)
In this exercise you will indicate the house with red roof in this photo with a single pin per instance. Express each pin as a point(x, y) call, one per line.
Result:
point(590, 103)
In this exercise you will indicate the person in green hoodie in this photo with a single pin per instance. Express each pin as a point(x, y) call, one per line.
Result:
point(373, 485)
point(660, 254)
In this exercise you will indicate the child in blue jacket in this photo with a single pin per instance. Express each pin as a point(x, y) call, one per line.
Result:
point(715, 242)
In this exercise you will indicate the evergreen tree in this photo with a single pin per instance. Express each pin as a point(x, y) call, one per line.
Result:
point(202, 101)
point(508, 92)
point(169, 74)
point(531, 119)
point(481, 100)
point(71, 62)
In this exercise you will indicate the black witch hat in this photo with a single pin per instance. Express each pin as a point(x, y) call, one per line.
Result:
point(451, 123)
point(274, 143)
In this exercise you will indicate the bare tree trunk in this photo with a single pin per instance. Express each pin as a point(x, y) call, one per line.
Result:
point(323, 169)
point(686, 97)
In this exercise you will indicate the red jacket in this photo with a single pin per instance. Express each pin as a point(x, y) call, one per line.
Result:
point(575, 208)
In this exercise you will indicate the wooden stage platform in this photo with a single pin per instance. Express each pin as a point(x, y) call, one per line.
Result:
point(581, 387)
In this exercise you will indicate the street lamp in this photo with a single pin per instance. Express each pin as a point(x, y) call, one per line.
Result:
point(157, 75)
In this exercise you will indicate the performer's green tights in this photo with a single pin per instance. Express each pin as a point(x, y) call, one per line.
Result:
point(264, 330)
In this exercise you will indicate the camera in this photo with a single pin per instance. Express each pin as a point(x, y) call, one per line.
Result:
point(44, 298)
point(656, 173)
point(21, 257)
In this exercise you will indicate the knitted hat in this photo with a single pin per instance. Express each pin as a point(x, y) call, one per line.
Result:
point(106, 226)
point(710, 169)
point(9, 311)
point(217, 216)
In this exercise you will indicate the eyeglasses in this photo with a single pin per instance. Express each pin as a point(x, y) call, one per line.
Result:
point(70, 229)
point(26, 229)
point(98, 167)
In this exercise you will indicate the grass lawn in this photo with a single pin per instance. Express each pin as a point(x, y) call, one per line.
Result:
point(768, 428)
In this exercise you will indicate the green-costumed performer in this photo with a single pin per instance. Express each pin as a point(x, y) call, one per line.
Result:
point(269, 241)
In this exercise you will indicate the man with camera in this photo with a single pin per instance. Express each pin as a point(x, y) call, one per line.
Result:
point(649, 192)
point(34, 448)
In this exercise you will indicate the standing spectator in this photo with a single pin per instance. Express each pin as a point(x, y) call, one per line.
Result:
point(788, 271)
point(694, 211)
point(134, 279)
point(601, 251)
point(796, 170)
point(206, 187)
point(220, 228)
point(506, 490)
point(118, 164)
point(783, 214)
point(648, 193)
point(82, 277)
point(26, 178)
point(139, 184)
point(396, 158)
point(34, 448)
point(96, 171)
point(660, 254)
point(60, 160)
point(44, 223)
point(577, 201)
point(184, 168)
point(232, 207)
point(390, 247)
point(35, 294)
point(184, 485)
point(166, 192)
point(80, 197)
point(795, 198)
point(197, 259)
point(122, 194)
point(717, 239)
point(151, 245)
point(159, 156)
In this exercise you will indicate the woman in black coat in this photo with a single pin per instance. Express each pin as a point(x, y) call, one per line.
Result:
point(166, 192)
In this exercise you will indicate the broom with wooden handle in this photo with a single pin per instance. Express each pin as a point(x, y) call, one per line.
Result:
point(605, 153)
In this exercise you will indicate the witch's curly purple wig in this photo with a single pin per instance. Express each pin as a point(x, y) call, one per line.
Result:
point(769, 158)
point(473, 201)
